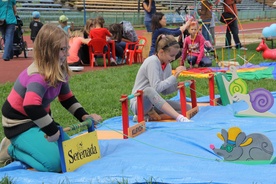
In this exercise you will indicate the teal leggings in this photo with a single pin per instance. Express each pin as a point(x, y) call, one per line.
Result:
point(33, 149)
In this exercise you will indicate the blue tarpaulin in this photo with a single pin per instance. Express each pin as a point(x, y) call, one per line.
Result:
point(168, 152)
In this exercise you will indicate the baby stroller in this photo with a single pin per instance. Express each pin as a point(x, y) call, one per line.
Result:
point(19, 45)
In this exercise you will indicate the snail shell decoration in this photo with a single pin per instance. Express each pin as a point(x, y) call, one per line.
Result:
point(261, 100)
point(238, 85)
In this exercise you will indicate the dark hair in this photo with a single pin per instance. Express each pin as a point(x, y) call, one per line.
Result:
point(155, 21)
point(117, 31)
point(100, 20)
point(165, 42)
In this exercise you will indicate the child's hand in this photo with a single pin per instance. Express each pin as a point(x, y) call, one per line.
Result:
point(97, 118)
point(178, 70)
point(196, 66)
point(54, 137)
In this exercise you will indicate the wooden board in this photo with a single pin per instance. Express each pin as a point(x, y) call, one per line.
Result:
point(109, 134)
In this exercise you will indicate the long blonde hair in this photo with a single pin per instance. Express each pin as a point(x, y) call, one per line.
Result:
point(46, 54)
point(89, 23)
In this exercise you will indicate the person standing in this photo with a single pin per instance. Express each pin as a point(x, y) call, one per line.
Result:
point(206, 16)
point(7, 13)
point(230, 6)
point(149, 9)
point(35, 25)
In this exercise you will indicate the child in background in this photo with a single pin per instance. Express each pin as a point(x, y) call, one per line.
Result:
point(100, 32)
point(35, 25)
point(84, 50)
point(30, 130)
point(63, 24)
point(75, 42)
point(155, 77)
point(193, 48)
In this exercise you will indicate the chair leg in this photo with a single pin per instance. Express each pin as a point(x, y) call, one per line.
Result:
point(91, 59)
point(131, 57)
point(140, 58)
point(104, 60)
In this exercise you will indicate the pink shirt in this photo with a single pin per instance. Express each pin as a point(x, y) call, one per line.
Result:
point(194, 47)
point(74, 44)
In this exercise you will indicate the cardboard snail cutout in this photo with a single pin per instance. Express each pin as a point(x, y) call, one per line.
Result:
point(235, 85)
point(259, 100)
point(237, 146)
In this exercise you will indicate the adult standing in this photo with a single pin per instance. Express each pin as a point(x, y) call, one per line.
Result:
point(206, 16)
point(230, 6)
point(7, 13)
point(149, 9)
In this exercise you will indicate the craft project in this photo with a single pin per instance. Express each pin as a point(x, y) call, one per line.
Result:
point(229, 88)
point(259, 101)
point(238, 146)
point(267, 52)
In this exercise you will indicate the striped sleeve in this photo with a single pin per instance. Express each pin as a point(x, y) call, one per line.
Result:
point(69, 102)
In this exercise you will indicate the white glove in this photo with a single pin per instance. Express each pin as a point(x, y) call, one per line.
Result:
point(54, 137)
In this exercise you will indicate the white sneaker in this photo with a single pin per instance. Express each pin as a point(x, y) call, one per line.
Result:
point(113, 61)
point(243, 48)
point(146, 118)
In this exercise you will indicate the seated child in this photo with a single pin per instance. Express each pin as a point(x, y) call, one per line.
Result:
point(75, 42)
point(193, 48)
point(100, 32)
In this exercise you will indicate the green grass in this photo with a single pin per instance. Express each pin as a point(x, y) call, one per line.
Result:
point(99, 91)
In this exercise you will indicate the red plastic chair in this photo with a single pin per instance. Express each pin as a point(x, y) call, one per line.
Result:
point(129, 52)
point(135, 55)
point(96, 48)
point(138, 51)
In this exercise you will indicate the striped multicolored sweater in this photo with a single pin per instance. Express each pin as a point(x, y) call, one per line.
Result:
point(28, 104)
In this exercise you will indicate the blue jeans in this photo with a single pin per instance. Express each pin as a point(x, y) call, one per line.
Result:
point(148, 26)
point(206, 29)
point(233, 27)
point(205, 61)
point(7, 34)
point(120, 48)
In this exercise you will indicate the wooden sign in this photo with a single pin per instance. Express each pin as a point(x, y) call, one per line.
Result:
point(137, 129)
point(80, 150)
point(192, 112)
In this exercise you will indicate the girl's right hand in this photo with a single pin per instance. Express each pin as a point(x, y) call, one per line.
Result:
point(54, 137)
point(178, 70)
